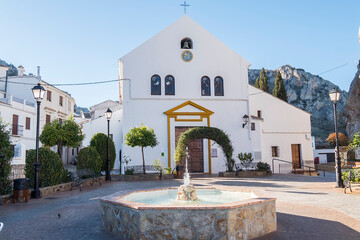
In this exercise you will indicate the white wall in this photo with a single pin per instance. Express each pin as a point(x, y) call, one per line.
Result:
point(321, 154)
point(282, 125)
point(99, 125)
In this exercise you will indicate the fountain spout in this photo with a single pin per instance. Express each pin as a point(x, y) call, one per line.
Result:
point(187, 191)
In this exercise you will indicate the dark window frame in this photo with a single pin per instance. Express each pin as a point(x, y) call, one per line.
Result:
point(171, 93)
point(253, 126)
point(61, 101)
point(27, 123)
point(208, 81)
point(216, 86)
point(155, 91)
point(48, 95)
point(275, 151)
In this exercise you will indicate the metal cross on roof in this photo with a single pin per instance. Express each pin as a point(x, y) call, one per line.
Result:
point(185, 5)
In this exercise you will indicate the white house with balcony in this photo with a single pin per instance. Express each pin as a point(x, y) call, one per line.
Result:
point(18, 109)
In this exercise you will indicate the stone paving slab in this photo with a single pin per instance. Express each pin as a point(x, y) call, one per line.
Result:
point(307, 208)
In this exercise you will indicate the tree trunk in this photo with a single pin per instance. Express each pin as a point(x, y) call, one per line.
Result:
point(142, 151)
point(60, 151)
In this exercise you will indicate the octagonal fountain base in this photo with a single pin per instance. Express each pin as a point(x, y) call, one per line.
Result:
point(128, 217)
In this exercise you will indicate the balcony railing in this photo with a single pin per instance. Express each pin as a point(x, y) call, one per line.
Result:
point(17, 130)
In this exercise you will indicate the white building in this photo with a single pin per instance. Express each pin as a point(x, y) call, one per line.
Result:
point(18, 109)
point(185, 77)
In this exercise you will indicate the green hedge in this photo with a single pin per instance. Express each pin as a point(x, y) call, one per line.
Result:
point(215, 134)
point(6, 153)
point(89, 158)
point(51, 168)
point(99, 142)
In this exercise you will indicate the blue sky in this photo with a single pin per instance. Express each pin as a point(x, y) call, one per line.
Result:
point(80, 41)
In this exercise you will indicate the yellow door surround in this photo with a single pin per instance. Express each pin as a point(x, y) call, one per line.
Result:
point(193, 117)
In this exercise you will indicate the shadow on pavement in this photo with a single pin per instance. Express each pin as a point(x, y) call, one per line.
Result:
point(299, 227)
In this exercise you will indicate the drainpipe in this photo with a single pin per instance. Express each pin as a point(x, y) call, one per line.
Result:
point(6, 81)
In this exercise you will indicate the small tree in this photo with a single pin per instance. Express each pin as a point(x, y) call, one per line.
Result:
point(99, 142)
point(343, 139)
point(355, 143)
point(264, 85)
point(63, 134)
point(279, 90)
point(246, 159)
point(141, 137)
point(257, 83)
point(6, 154)
point(51, 167)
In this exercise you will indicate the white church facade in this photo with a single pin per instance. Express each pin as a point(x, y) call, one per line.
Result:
point(185, 77)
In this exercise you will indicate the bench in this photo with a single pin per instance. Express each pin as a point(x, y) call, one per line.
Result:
point(77, 177)
point(139, 169)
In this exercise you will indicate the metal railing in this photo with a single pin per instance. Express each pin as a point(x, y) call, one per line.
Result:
point(296, 166)
point(17, 130)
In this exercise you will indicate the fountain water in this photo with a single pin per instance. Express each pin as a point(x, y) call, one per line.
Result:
point(187, 191)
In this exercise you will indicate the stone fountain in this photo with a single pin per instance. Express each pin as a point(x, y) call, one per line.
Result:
point(188, 213)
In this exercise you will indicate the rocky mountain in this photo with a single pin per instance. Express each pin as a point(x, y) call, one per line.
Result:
point(78, 109)
point(352, 110)
point(12, 71)
point(310, 93)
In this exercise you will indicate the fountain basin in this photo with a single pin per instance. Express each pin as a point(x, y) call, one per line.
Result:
point(129, 217)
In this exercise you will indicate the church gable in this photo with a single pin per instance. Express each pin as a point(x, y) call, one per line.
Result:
point(189, 108)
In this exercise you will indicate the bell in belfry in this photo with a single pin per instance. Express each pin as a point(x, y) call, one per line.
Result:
point(186, 45)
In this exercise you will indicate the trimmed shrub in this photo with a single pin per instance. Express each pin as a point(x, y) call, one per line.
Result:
point(6, 154)
point(343, 139)
point(99, 142)
point(215, 134)
point(263, 166)
point(89, 158)
point(51, 167)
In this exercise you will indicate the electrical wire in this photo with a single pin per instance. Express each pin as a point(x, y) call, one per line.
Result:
point(67, 84)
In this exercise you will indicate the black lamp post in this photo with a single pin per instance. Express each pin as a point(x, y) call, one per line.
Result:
point(334, 97)
point(108, 114)
point(38, 92)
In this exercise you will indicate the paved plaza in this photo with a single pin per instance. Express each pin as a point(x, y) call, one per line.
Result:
point(307, 208)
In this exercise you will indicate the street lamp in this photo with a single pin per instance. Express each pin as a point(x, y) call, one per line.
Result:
point(38, 92)
point(245, 120)
point(108, 114)
point(334, 97)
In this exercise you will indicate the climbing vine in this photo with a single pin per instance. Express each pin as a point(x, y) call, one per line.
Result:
point(215, 134)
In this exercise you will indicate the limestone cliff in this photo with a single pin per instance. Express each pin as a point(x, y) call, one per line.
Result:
point(310, 93)
point(352, 108)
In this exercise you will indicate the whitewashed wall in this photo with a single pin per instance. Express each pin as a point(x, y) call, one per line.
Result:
point(282, 126)
point(161, 55)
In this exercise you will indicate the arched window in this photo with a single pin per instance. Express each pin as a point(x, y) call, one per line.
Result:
point(205, 86)
point(186, 43)
point(219, 86)
point(169, 85)
point(155, 85)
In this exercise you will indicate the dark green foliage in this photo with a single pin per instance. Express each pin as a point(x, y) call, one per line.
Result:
point(279, 90)
point(257, 83)
point(215, 134)
point(51, 167)
point(141, 137)
point(6, 154)
point(68, 133)
point(245, 159)
point(89, 158)
point(264, 85)
point(99, 142)
point(263, 166)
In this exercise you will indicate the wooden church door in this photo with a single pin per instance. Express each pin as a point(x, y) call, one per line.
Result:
point(196, 163)
point(295, 152)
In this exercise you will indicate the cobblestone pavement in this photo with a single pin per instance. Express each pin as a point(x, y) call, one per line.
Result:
point(307, 208)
